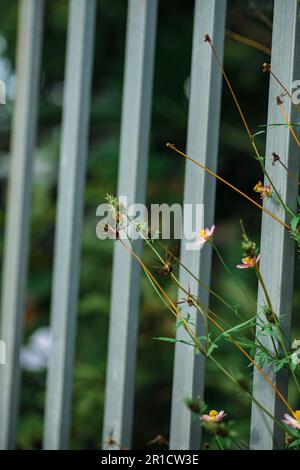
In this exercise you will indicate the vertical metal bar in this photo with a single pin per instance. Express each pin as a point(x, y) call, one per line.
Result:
point(202, 145)
point(277, 247)
point(135, 127)
point(69, 221)
point(18, 211)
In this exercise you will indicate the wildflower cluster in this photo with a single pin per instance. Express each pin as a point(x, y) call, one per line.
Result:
point(257, 332)
point(250, 259)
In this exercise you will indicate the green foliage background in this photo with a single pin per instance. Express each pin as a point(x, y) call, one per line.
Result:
point(165, 184)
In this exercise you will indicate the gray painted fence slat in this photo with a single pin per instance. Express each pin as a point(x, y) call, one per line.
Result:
point(135, 127)
point(69, 221)
point(277, 247)
point(18, 211)
point(202, 145)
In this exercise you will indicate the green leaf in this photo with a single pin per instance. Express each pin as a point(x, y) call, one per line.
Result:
point(174, 340)
point(211, 348)
point(178, 324)
point(280, 364)
point(168, 340)
point(295, 222)
point(295, 443)
point(240, 327)
point(258, 133)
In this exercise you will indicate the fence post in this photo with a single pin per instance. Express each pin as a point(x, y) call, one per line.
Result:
point(69, 221)
point(30, 27)
point(277, 247)
point(202, 145)
point(135, 127)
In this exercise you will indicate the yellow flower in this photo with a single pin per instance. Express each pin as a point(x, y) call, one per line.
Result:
point(248, 262)
point(258, 187)
point(213, 414)
point(263, 190)
point(297, 415)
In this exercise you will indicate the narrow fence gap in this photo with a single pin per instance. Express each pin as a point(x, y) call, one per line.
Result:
point(29, 44)
point(69, 221)
point(135, 128)
point(200, 188)
point(277, 247)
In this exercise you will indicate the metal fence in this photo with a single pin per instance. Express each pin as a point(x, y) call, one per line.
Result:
point(277, 248)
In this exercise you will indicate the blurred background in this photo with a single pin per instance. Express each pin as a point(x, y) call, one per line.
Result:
point(165, 184)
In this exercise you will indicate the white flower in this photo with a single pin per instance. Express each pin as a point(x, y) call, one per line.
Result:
point(35, 355)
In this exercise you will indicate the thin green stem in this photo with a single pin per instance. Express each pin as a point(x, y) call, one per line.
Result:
point(257, 154)
point(218, 441)
point(277, 323)
point(230, 273)
point(202, 284)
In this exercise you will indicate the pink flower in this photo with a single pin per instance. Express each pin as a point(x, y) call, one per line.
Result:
point(248, 262)
point(293, 422)
point(213, 416)
point(205, 235)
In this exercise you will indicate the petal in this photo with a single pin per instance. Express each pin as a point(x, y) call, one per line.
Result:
point(288, 418)
point(291, 421)
point(221, 415)
point(211, 231)
point(295, 425)
point(257, 259)
point(205, 418)
point(243, 266)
